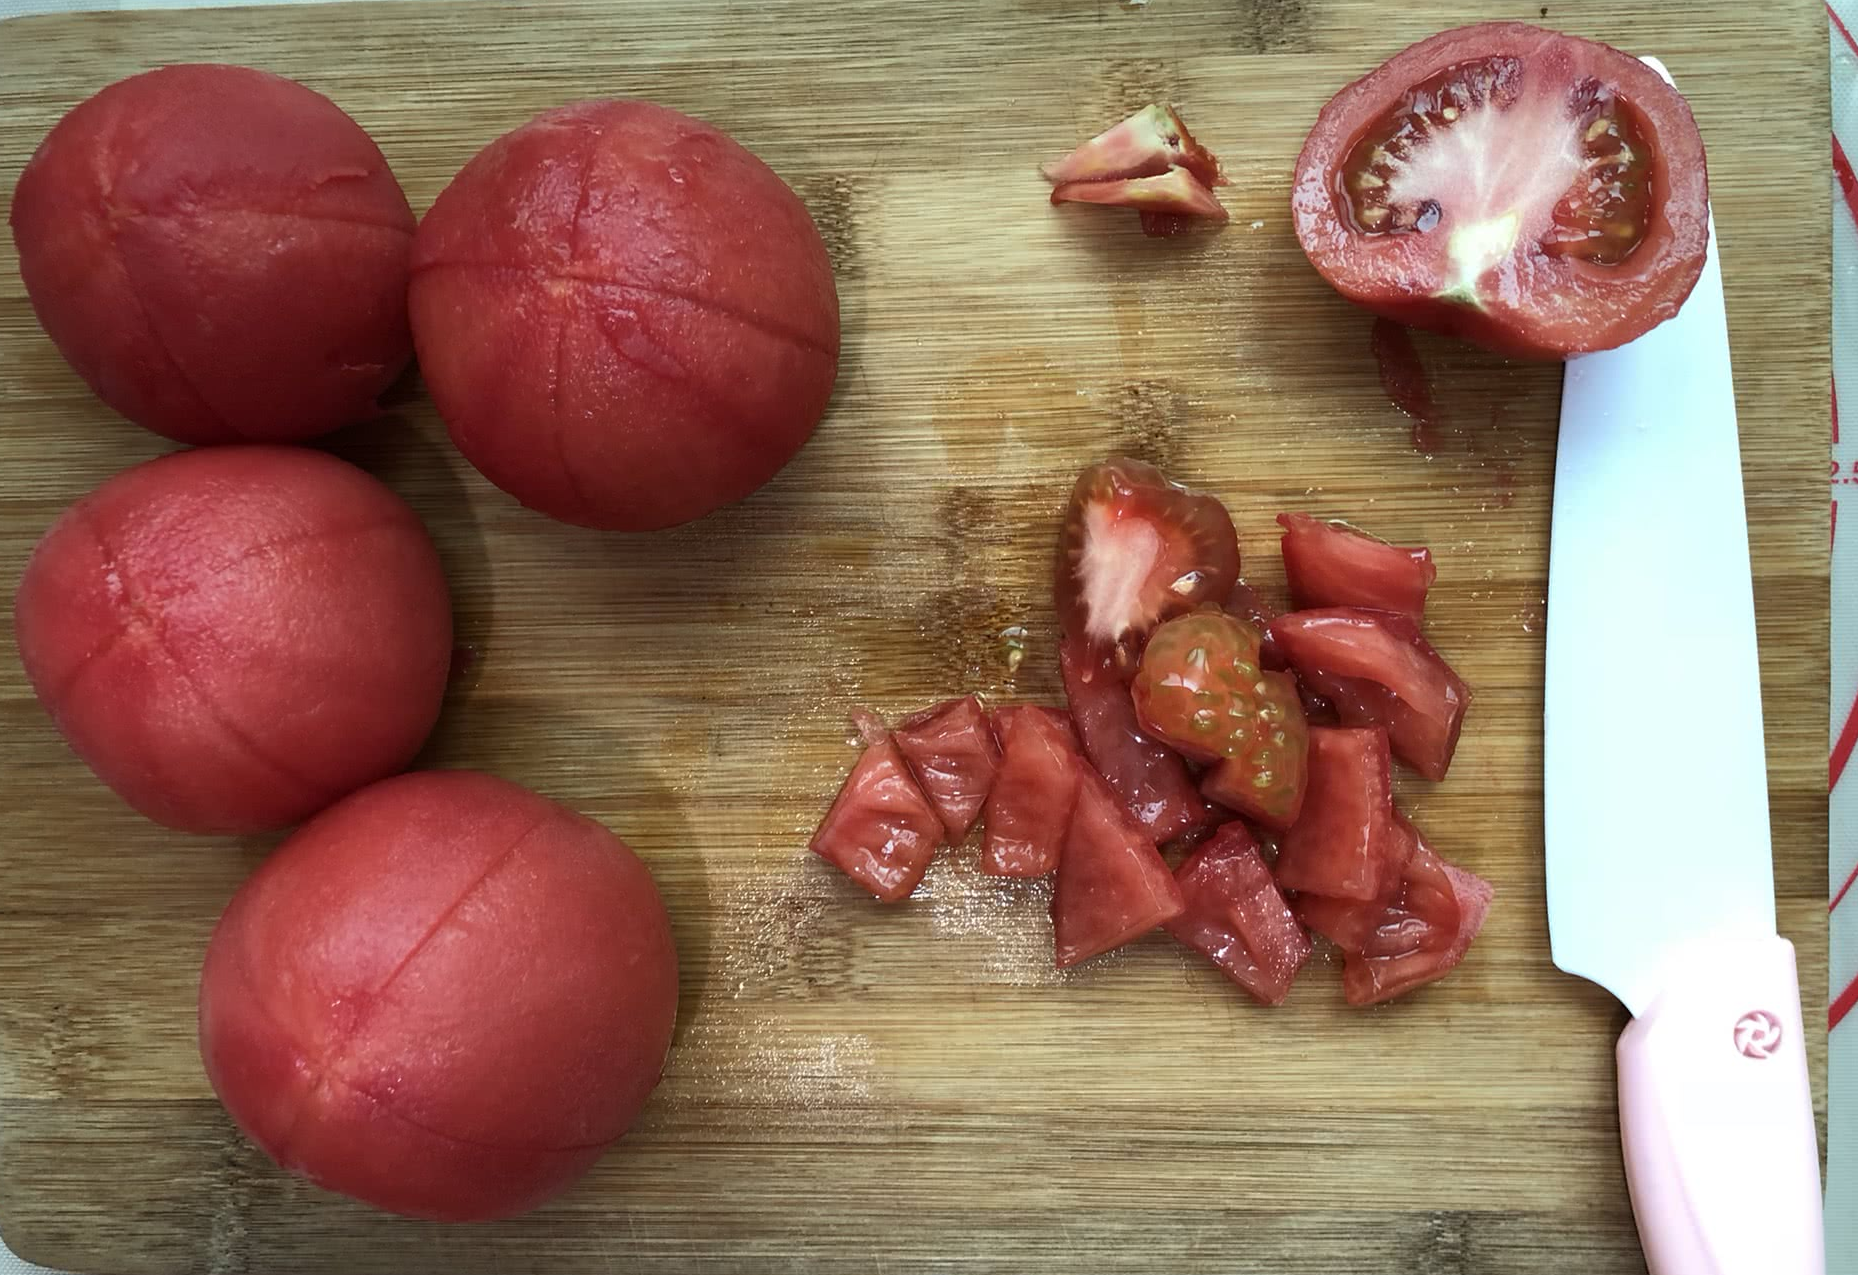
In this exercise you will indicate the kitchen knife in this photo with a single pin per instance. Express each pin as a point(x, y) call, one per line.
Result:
point(1655, 802)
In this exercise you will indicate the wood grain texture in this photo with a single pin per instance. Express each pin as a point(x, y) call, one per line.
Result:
point(854, 1089)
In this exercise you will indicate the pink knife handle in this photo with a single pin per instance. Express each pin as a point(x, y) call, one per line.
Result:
point(1716, 1115)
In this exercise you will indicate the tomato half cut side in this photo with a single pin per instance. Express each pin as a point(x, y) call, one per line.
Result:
point(1151, 778)
point(1378, 670)
point(953, 754)
point(1137, 549)
point(1369, 980)
point(1113, 885)
point(881, 831)
point(1536, 193)
point(1331, 564)
point(1029, 810)
point(1235, 916)
point(1343, 845)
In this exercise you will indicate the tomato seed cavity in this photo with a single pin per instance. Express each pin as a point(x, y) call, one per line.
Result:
point(1441, 102)
point(1602, 218)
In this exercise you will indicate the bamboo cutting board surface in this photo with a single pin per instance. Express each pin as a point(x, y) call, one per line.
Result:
point(860, 1089)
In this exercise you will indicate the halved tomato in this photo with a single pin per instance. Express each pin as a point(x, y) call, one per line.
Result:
point(881, 830)
point(1533, 192)
point(1368, 980)
point(1344, 845)
point(1151, 779)
point(1029, 810)
point(954, 756)
point(1135, 550)
point(1377, 670)
point(1202, 689)
point(1236, 916)
point(1331, 564)
point(1113, 885)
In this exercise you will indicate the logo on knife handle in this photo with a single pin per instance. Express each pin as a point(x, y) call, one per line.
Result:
point(1757, 1034)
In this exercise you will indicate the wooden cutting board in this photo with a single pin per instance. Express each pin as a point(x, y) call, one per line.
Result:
point(862, 1089)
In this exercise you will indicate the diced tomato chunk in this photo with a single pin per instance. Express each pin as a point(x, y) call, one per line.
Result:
point(1150, 142)
point(1269, 795)
point(953, 754)
point(1377, 670)
point(1344, 845)
point(881, 830)
point(1057, 718)
point(1368, 980)
point(1029, 811)
point(1331, 564)
point(1175, 194)
point(1236, 916)
point(1135, 550)
point(1419, 914)
point(1151, 779)
point(1113, 885)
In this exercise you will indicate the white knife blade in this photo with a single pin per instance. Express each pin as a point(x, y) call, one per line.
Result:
point(1654, 786)
point(1655, 802)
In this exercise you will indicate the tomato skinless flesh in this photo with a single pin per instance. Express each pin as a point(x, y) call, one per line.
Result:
point(1029, 810)
point(1377, 669)
point(1420, 912)
point(1440, 128)
point(1113, 885)
point(1151, 779)
point(1343, 845)
point(1236, 917)
point(953, 754)
point(1333, 564)
point(881, 831)
point(1369, 980)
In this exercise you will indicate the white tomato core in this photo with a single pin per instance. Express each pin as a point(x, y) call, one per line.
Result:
point(1121, 553)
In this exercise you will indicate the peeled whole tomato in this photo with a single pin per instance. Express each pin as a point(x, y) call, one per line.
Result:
point(220, 253)
point(445, 996)
point(626, 319)
point(235, 637)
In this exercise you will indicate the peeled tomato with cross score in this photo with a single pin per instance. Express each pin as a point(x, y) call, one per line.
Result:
point(1535, 193)
point(446, 996)
point(220, 253)
point(625, 318)
point(232, 638)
